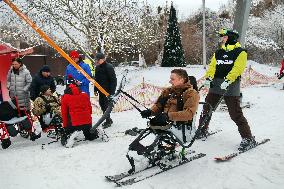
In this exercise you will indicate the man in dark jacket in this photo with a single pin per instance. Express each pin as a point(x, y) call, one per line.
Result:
point(225, 69)
point(40, 79)
point(105, 76)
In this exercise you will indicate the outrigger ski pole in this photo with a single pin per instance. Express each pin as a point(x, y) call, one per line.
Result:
point(53, 44)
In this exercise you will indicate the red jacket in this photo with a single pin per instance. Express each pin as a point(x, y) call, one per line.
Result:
point(282, 68)
point(76, 107)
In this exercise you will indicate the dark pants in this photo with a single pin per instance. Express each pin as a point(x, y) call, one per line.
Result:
point(235, 111)
point(103, 101)
point(85, 128)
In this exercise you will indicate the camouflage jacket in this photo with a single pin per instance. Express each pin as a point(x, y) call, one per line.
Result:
point(46, 104)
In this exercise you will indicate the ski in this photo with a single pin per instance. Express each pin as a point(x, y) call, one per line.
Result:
point(154, 171)
point(120, 176)
point(127, 174)
point(232, 155)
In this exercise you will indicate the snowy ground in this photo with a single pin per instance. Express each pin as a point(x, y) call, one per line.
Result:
point(26, 165)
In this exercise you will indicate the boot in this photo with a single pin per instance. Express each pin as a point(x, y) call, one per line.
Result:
point(34, 136)
point(107, 123)
point(64, 138)
point(247, 143)
point(69, 140)
point(6, 143)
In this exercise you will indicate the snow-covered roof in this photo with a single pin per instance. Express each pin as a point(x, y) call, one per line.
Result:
point(7, 48)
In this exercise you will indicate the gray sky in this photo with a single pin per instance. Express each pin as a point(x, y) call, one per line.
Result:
point(186, 7)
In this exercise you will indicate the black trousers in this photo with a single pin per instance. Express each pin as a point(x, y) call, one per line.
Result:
point(85, 128)
point(103, 101)
point(235, 111)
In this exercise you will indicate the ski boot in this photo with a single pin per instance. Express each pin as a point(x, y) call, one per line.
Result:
point(247, 143)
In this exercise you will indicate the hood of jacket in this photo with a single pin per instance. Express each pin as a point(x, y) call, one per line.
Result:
point(72, 90)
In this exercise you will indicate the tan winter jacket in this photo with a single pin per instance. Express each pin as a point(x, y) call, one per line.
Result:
point(169, 97)
point(39, 106)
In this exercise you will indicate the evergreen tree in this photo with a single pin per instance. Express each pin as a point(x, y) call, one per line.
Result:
point(173, 55)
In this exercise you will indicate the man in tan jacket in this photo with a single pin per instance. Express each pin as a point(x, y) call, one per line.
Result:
point(168, 108)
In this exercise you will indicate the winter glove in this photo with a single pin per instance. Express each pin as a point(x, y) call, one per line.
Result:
point(146, 113)
point(207, 82)
point(225, 84)
point(163, 101)
point(160, 120)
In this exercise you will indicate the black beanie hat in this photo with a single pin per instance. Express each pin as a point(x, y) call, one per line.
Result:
point(45, 68)
point(100, 56)
point(232, 37)
point(43, 89)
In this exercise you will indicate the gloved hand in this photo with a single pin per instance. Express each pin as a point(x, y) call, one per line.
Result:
point(162, 100)
point(160, 120)
point(225, 84)
point(146, 113)
point(207, 82)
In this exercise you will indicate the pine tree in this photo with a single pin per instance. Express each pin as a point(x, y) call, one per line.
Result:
point(173, 55)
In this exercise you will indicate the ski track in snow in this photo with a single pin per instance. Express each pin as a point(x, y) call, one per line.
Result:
point(25, 164)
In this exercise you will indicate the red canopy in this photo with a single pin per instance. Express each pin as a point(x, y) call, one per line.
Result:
point(7, 53)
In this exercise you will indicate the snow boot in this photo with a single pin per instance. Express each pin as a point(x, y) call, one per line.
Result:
point(247, 143)
point(64, 138)
point(71, 139)
point(34, 136)
point(6, 143)
point(107, 123)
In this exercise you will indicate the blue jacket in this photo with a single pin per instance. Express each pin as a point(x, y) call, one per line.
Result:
point(71, 70)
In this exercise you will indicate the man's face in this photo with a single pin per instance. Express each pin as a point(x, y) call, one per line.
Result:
point(100, 61)
point(223, 39)
point(176, 80)
point(75, 59)
point(45, 74)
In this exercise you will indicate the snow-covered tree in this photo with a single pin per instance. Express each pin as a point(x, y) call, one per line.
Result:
point(117, 26)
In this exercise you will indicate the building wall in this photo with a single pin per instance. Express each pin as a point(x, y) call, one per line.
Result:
point(35, 63)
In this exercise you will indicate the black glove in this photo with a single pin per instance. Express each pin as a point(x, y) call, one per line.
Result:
point(160, 120)
point(163, 101)
point(146, 113)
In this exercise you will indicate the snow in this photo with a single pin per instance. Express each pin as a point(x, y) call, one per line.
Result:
point(25, 165)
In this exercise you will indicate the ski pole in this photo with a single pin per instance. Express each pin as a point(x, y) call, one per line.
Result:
point(132, 98)
point(53, 44)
